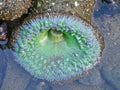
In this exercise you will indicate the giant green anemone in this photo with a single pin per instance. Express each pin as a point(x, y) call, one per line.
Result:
point(56, 47)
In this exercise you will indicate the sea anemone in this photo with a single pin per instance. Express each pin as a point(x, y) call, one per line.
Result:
point(56, 47)
point(12, 9)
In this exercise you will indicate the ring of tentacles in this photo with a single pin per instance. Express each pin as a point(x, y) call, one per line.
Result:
point(56, 47)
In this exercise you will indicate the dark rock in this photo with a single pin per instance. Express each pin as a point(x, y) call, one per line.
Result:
point(44, 85)
point(3, 65)
point(32, 84)
point(62, 87)
point(111, 71)
point(93, 78)
point(110, 7)
point(16, 78)
point(3, 31)
point(108, 1)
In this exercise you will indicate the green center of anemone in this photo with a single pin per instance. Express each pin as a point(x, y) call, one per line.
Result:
point(55, 49)
point(53, 35)
point(55, 44)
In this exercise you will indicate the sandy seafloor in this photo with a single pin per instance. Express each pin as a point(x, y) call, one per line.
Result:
point(106, 74)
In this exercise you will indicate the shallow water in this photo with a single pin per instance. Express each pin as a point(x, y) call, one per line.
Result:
point(106, 74)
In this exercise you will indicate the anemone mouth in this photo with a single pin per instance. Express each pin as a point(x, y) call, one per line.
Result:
point(50, 35)
point(56, 47)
